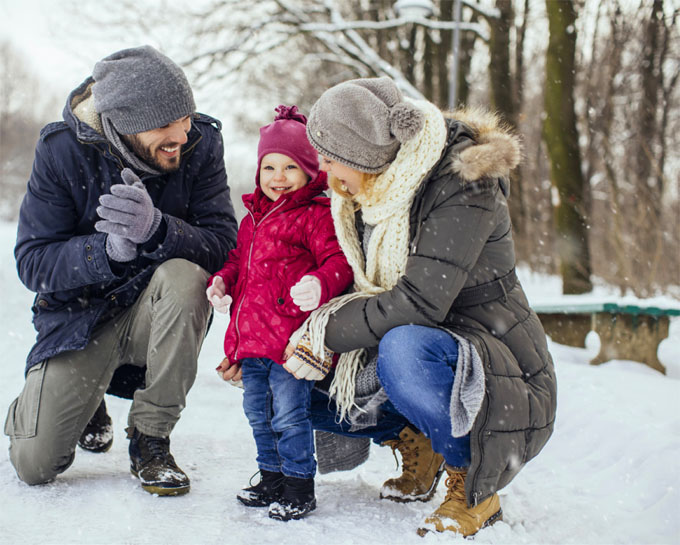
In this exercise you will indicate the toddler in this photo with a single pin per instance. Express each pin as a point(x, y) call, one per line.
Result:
point(287, 262)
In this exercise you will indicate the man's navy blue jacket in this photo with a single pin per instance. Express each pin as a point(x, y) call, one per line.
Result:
point(63, 258)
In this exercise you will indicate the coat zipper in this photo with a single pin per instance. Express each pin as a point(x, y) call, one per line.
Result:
point(250, 255)
point(476, 493)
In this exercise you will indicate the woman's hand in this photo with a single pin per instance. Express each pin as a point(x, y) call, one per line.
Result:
point(287, 354)
point(309, 369)
point(230, 372)
point(289, 351)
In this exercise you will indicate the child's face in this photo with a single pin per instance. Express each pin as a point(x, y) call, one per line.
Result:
point(279, 174)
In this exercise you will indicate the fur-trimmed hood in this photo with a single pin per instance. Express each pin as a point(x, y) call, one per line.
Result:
point(495, 150)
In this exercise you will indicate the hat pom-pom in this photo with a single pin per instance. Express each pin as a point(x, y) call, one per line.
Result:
point(405, 121)
point(289, 112)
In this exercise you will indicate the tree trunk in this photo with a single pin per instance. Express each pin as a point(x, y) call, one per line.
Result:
point(561, 138)
point(446, 11)
point(429, 68)
point(467, 44)
point(504, 94)
point(649, 182)
point(503, 98)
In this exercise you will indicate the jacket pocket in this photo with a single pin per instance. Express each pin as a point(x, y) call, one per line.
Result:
point(284, 302)
point(22, 416)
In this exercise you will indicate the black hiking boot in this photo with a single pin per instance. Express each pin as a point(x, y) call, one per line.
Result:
point(264, 493)
point(98, 434)
point(296, 501)
point(152, 463)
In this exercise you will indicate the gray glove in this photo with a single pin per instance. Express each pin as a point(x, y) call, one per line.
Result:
point(120, 248)
point(128, 212)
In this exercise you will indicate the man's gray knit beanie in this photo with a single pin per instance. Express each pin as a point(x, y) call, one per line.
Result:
point(140, 89)
point(362, 122)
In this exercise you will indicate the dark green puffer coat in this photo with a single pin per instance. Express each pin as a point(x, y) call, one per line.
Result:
point(461, 244)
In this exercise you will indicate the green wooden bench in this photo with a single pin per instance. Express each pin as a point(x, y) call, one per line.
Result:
point(627, 332)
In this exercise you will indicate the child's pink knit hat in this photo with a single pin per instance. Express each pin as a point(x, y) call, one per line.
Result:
point(287, 135)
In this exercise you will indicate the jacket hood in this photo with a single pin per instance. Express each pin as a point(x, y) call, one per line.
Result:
point(495, 150)
point(80, 115)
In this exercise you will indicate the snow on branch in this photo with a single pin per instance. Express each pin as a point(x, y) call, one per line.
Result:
point(392, 23)
point(370, 57)
point(489, 13)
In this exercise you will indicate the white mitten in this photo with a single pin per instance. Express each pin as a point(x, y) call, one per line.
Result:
point(306, 293)
point(216, 294)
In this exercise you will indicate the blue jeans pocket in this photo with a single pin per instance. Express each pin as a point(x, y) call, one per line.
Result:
point(22, 416)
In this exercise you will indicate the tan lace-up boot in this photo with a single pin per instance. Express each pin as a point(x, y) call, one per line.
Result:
point(421, 468)
point(454, 515)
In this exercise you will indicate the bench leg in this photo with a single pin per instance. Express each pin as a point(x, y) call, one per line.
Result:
point(569, 329)
point(630, 337)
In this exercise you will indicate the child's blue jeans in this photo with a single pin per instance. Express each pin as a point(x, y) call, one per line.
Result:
point(416, 366)
point(278, 408)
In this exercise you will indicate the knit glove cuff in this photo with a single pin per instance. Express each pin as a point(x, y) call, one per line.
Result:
point(304, 364)
point(120, 249)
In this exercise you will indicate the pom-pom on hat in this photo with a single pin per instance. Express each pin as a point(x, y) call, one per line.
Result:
point(140, 89)
point(362, 123)
point(286, 135)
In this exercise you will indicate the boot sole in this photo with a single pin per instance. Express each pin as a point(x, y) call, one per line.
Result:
point(491, 520)
point(163, 490)
point(98, 450)
point(255, 503)
point(296, 516)
point(427, 496)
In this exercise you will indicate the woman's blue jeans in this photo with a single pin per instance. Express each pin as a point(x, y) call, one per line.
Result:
point(416, 366)
point(277, 406)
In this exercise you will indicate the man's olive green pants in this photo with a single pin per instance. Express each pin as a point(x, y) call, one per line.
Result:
point(163, 331)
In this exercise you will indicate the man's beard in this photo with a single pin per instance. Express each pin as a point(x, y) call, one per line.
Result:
point(145, 154)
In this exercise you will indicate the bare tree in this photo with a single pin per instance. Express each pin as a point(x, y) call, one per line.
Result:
point(22, 114)
point(562, 140)
point(630, 104)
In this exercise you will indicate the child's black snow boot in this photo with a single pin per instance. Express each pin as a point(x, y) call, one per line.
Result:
point(152, 463)
point(296, 501)
point(264, 493)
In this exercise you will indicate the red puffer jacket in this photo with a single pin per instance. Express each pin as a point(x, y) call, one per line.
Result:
point(278, 243)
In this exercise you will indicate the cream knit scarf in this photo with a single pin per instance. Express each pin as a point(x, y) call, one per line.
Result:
point(387, 208)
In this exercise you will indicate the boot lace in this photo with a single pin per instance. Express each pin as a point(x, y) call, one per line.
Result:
point(409, 455)
point(250, 481)
point(158, 447)
point(455, 485)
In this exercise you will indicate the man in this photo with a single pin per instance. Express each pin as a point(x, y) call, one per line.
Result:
point(127, 212)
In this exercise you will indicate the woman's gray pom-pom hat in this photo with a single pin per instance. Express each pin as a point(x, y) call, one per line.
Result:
point(362, 122)
point(140, 89)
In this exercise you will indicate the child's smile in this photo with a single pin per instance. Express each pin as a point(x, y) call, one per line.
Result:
point(279, 174)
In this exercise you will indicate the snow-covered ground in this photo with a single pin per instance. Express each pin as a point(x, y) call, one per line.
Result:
point(609, 475)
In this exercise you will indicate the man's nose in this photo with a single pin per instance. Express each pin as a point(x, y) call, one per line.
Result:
point(178, 132)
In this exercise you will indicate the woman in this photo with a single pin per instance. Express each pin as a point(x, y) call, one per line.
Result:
point(437, 341)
